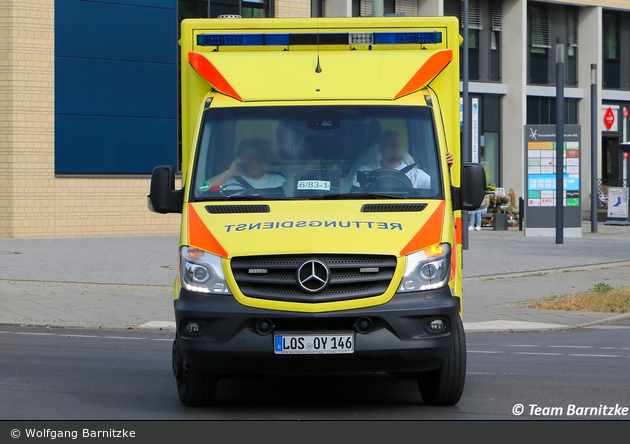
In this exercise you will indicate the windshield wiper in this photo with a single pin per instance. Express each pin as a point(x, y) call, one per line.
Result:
point(359, 196)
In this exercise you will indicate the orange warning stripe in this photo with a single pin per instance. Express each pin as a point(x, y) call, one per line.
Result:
point(458, 230)
point(211, 74)
point(453, 262)
point(427, 72)
point(458, 241)
point(429, 234)
point(200, 237)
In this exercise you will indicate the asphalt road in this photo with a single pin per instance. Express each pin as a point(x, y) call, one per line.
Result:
point(98, 374)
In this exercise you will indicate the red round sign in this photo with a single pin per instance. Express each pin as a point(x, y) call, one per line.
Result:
point(609, 118)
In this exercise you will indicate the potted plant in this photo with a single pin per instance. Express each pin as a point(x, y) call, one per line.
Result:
point(512, 214)
point(499, 206)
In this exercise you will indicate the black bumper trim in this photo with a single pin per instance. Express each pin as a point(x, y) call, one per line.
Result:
point(399, 341)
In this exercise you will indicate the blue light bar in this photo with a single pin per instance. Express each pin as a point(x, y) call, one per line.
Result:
point(282, 39)
point(389, 38)
point(275, 39)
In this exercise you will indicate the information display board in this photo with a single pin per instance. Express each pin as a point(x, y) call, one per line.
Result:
point(540, 173)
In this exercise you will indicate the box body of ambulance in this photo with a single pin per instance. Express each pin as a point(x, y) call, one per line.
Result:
point(321, 222)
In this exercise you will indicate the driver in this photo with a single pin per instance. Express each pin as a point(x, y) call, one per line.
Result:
point(249, 166)
point(391, 149)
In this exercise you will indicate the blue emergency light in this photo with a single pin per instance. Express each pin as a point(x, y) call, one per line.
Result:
point(274, 39)
point(392, 38)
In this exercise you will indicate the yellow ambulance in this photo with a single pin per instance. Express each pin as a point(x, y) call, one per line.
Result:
point(321, 222)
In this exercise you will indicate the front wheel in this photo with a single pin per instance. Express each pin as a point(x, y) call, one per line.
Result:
point(445, 385)
point(195, 388)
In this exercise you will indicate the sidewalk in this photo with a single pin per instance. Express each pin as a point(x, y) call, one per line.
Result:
point(126, 282)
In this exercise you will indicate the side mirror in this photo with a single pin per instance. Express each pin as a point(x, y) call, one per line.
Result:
point(473, 188)
point(163, 198)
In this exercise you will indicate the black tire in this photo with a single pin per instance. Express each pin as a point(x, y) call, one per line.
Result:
point(195, 388)
point(445, 385)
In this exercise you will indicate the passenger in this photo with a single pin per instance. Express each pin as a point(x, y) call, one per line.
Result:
point(250, 166)
point(392, 153)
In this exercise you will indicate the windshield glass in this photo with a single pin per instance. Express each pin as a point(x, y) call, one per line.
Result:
point(317, 152)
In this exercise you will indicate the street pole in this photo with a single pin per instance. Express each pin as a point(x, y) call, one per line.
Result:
point(466, 119)
point(559, 140)
point(594, 119)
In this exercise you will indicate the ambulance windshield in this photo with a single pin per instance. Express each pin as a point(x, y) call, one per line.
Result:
point(317, 152)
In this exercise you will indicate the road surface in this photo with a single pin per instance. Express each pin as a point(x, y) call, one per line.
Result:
point(99, 374)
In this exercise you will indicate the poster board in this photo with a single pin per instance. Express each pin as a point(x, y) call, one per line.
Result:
point(617, 203)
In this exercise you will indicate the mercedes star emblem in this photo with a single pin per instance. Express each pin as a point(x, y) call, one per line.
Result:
point(313, 276)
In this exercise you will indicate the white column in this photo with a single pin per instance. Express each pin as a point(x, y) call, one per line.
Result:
point(514, 105)
point(590, 34)
point(429, 8)
point(338, 8)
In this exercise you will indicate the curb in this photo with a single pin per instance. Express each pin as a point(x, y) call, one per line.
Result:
point(615, 318)
point(159, 326)
point(553, 270)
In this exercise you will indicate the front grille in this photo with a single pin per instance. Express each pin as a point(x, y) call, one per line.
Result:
point(275, 277)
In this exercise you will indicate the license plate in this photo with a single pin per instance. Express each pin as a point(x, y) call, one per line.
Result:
point(313, 343)
point(313, 185)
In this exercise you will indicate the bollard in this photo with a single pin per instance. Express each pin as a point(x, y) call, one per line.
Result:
point(521, 213)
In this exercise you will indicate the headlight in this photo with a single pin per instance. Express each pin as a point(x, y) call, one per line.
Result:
point(427, 269)
point(201, 272)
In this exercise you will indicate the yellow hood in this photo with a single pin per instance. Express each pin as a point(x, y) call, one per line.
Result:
point(305, 227)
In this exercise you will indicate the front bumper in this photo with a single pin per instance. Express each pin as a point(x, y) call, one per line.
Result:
point(399, 340)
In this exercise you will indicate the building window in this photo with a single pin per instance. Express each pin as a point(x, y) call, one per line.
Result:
point(572, 45)
point(539, 43)
point(496, 10)
point(254, 10)
point(317, 8)
point(542, 111)
point(489, 146)
point(475, 25)
point(389, 7)
point(612, 65)
point(192, 9)
point(365, 7)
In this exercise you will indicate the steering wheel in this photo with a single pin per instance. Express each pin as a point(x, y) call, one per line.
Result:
point(387, 179)
point(225, 192)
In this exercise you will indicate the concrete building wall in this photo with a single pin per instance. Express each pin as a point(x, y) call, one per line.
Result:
point(35, 203)
point(430, 8)
point(338, 8)
point(590, 51)
point(514, 109)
